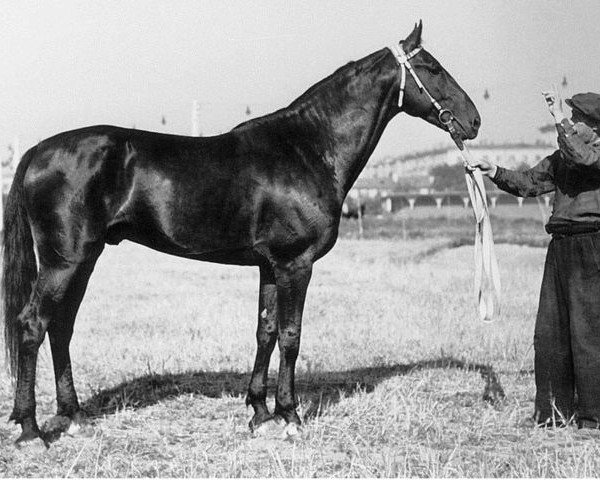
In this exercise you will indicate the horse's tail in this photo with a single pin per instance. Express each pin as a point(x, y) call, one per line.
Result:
point(19, 268)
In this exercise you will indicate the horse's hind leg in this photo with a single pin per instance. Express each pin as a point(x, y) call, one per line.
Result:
point(56, 295)
point(69, 415)
point(32, 332)
point(266, 337)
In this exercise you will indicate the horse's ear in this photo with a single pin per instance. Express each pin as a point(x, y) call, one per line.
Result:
point(414, 39)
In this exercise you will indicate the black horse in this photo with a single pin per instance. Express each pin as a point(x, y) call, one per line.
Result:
point(269, 194)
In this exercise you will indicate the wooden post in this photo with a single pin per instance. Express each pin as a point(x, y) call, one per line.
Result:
point(387, 204)
point(360, 220)
point(547, 201)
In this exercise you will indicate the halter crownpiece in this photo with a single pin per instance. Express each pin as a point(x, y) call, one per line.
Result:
point(403, 60)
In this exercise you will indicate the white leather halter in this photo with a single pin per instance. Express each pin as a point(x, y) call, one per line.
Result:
point(403, 60)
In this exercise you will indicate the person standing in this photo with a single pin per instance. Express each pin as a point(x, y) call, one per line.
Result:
point(567, 328)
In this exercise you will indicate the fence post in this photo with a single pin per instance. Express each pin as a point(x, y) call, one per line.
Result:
point(360, 219)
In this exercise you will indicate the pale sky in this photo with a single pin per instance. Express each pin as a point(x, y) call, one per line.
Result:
point(67, 64)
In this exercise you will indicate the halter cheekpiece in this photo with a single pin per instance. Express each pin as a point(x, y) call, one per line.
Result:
point(403, 60)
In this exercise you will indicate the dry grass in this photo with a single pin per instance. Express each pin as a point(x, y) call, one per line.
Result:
point(163, 347)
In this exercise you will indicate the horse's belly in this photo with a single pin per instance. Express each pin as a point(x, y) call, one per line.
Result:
point(186, 235)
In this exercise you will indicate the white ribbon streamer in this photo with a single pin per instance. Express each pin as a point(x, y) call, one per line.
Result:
point(487, 276)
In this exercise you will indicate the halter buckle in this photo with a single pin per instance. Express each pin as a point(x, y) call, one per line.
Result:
point(444, 112)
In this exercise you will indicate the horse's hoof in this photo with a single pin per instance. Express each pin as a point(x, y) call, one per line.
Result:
point(58, 425)
point(267, 427)
point(84, 429)
point(55, 426)
point(80, 426)
point(32, 443)
point(291, 431)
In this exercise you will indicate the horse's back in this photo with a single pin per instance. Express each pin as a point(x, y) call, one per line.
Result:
point(212, 198)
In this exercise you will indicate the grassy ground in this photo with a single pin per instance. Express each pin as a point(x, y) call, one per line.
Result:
point(163, 348)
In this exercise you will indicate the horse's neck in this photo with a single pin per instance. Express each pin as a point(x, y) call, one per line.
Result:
point(341, 118)
point(354, 114)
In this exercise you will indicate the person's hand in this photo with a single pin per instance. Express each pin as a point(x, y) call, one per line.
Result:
point(585, 132)
point(555, 105)
point(487, 168)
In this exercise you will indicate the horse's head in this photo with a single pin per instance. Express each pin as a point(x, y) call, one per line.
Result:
point(440, 85)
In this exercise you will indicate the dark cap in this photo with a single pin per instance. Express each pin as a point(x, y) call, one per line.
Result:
point(586, 103)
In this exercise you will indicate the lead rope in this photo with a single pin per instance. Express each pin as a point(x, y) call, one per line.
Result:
point(487, 277)
point(486, 284)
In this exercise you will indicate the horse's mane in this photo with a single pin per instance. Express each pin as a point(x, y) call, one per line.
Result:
point(310, 96)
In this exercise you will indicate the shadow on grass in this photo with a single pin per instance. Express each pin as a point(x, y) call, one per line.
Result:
point(318, 390)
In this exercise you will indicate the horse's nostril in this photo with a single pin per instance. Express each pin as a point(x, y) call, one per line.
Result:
point(477, 122)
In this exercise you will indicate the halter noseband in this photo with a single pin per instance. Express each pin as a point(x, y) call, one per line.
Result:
point(445, 116)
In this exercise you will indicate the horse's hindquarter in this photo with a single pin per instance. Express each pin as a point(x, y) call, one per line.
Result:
point(65, 187)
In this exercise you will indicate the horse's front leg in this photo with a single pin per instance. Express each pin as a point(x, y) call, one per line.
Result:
point(292, 283)
point(266, 336)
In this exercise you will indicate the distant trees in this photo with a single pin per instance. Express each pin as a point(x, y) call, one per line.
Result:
point(448, 178)
point(451, 178)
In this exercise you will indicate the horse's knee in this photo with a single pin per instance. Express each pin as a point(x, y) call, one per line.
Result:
point(267, 335)
point(289, 342)
point(32, 329)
